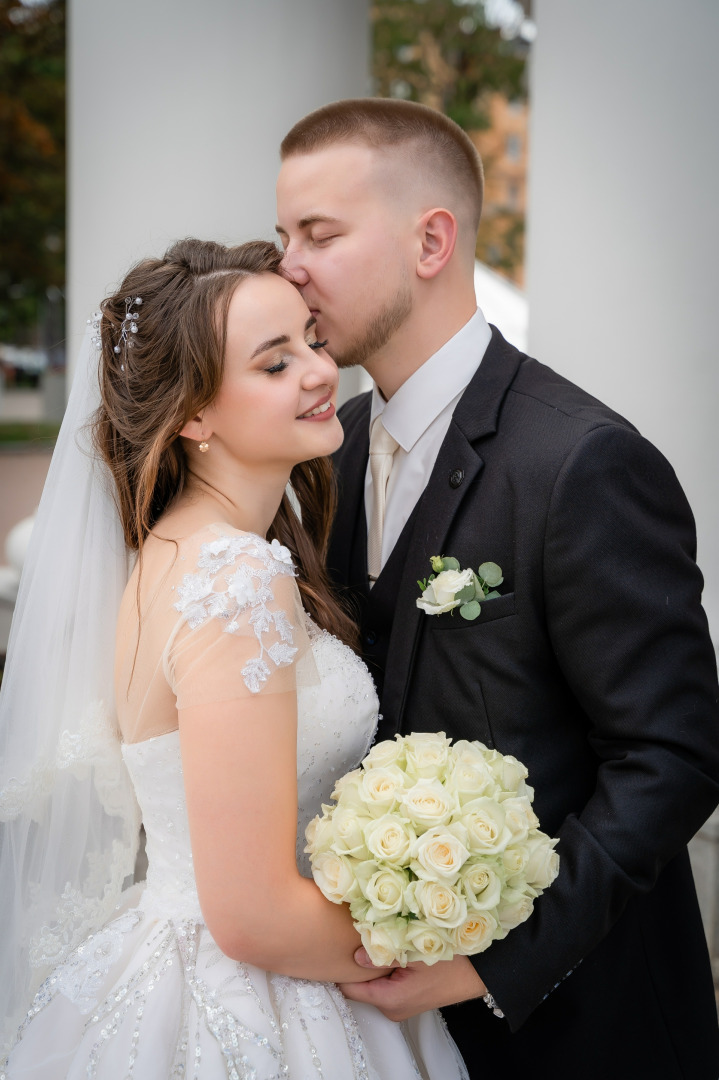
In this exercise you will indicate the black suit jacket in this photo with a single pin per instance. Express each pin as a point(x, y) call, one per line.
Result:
point(596, 669)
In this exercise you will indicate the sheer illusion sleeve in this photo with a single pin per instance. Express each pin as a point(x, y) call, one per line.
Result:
point(241, 630)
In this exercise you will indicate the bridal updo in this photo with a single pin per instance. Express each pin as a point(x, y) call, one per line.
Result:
point(162, 342)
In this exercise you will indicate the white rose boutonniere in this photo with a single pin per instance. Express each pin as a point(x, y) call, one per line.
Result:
point(449, 587)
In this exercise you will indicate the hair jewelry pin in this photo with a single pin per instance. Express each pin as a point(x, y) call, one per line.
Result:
point(128, 326)
point(129, 323)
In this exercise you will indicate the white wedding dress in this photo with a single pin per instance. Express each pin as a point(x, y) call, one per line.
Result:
point(149, 995)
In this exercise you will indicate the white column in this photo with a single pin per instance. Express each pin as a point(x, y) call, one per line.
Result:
point(177, 109)
point(623, 226)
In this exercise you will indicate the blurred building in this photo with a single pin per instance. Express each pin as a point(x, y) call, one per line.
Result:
point(503, 147)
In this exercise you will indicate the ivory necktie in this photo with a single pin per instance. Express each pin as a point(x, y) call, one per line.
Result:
point(381, 453)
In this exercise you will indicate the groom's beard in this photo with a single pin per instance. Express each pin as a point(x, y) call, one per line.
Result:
point(377, 331)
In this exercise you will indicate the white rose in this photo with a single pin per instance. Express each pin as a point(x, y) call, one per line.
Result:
point(427, 753)
point(482, 886)
point(542, 863)
point(334, 877)
point(319, 834)
point(509, 772)
point(470, 779)
point(439, 854)
point(514, 859)
point(440, 594)
point(436, 902)
point(474, 751)
point(487, 832)
point(385, 941)
point(380, 789)
point(389, 839)
point(428, 804)
point(518, 817)
point(475, 934)
point(385, 892)
point(514, 908)
point(428, 943)
point(348, 832)
point(387, 752)
point(346, 789)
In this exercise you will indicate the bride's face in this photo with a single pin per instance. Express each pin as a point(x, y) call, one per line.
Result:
point(276, 404)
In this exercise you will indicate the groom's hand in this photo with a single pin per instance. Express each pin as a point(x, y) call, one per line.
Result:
point(417, 987)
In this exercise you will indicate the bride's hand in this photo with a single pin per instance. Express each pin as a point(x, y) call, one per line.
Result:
point(414, 989)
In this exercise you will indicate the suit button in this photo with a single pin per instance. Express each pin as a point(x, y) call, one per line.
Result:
point(370, 638)
point(456, 477)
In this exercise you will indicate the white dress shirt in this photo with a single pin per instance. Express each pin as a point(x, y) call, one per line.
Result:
point(417, 416)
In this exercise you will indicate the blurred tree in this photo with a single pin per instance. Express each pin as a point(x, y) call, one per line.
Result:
point(452, 56)
point(443, 53)
point(32, 164)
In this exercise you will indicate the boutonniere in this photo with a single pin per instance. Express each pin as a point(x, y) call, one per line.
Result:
point(449, 587)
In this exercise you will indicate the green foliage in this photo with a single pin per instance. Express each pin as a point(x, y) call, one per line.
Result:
point(442, 53)
point(21, 431)
point(32, 161)
point(490, 574)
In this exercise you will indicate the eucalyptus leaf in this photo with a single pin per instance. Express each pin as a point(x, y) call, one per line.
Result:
point(448, 563)
point(492, 595)
point(478, 590)
point(470, 611)
point(467, 593)
point(491, 573)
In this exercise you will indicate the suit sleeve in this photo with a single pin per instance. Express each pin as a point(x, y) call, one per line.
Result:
point(623, 612)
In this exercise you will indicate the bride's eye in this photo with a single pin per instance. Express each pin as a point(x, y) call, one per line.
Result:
point(279, 366)
point(318, 344)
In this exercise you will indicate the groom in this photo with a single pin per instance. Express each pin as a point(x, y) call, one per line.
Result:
point(594, 666)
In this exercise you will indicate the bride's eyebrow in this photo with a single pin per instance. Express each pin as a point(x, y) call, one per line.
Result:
point(283, 339)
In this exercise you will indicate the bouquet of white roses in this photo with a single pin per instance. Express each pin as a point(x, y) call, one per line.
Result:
point(435, 847)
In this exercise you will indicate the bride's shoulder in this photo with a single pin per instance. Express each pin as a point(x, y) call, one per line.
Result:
point(226, 572)
point(215, 547)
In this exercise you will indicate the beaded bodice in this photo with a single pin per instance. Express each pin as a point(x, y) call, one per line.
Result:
point(337, 716)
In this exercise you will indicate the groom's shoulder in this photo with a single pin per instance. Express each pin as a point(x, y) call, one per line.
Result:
point(540, 390)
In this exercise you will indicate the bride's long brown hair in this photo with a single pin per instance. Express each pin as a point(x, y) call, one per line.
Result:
point(170, 370)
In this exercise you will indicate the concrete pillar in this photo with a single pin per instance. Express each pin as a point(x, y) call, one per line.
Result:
point(623, 233)
point(177, 109)
point(623, 225)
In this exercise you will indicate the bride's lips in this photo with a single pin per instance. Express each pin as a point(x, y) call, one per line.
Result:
point(325, 405)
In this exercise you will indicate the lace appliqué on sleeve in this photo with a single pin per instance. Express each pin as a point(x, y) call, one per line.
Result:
point(249, 564)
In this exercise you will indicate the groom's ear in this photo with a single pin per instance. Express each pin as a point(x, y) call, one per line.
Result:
point(437, 230)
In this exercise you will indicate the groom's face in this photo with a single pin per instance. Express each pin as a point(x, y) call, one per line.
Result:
point(348, 244)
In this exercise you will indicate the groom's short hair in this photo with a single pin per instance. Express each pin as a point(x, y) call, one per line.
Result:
point(436, 144)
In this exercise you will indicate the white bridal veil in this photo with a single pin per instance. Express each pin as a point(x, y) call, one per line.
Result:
point(69, 823)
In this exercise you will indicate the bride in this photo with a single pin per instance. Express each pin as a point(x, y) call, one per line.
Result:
point(166, 539)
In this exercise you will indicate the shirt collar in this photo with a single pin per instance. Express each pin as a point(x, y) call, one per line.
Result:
point(430, 389)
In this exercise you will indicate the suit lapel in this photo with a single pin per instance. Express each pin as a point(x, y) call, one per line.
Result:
point(476, 416)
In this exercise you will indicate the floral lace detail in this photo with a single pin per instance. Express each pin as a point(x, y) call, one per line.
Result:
point(94, 743)
point(246, 586)
point(81, 977)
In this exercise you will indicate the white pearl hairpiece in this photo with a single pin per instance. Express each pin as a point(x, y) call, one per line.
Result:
point(127, 327)
point(129, 323)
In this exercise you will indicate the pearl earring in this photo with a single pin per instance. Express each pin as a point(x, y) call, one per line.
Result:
point(203, 447)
